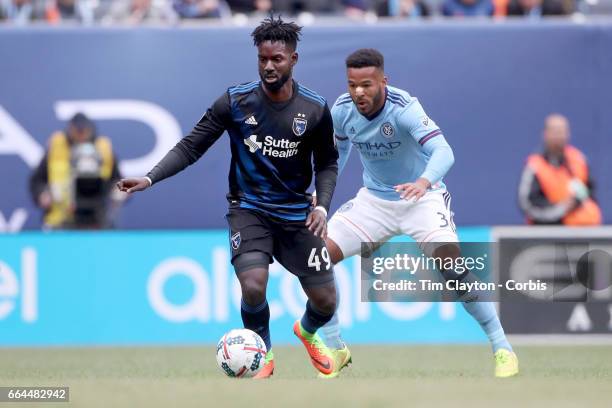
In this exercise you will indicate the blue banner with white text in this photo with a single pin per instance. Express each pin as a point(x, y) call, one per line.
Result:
point(178, 287)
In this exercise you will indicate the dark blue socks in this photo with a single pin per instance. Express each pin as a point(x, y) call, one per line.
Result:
point(313, 319)
point(257, 318)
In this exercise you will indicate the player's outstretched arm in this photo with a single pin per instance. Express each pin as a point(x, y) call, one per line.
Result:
point(131, 185)
point(187, 151)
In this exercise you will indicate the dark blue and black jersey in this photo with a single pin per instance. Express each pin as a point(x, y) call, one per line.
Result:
point(274, 146)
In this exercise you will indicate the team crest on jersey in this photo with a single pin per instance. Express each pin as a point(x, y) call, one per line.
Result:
point(236, 240)
point(387, 130)
point(299, 124)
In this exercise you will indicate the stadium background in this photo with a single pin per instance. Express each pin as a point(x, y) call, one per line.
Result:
point(487, 85)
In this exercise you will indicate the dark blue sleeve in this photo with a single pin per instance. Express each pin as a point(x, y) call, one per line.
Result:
point(325, 157)
point(186, 152)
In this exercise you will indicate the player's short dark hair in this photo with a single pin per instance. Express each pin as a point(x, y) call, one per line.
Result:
point(276, 30)
point(366, 57)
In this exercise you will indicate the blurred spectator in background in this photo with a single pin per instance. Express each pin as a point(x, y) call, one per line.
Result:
point(285, 7)
point(140, 11)
point(74, 182)
point(402, 8)
point(556, 187)
point(295, 7)
point(536, 8)
point(467, 8)
point(18, 12)
point(354, 8)
point(201, 8)
point(75, 11)
point(250, 6)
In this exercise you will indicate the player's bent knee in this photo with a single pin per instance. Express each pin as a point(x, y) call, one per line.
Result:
point(252, 271)
point(335, 253)
point(253, 291)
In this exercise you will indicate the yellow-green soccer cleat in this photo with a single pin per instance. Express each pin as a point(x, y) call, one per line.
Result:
point(342, 358)
point(506, 363)
point(321, 356)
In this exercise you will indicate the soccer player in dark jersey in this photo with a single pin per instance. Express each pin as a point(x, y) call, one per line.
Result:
point(278, 129)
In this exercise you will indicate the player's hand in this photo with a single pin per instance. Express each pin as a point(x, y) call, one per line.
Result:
point(314, 199)
point(317, 223)
point(414, 190)
point(131, 185)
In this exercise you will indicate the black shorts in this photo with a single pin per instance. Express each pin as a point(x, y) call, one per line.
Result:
point(289, 242)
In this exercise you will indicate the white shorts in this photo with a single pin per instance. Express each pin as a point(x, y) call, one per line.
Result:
point(367, 218)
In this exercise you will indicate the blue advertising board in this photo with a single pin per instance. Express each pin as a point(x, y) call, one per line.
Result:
point(178, 287)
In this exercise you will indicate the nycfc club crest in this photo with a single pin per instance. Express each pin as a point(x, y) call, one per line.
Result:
point(387, 130)
point(299, 124)
point(236, 240)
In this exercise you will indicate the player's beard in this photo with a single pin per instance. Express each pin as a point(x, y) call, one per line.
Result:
point(377, 101)
point(276, 85)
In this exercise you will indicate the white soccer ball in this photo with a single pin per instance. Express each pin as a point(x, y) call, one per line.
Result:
point(241, 353)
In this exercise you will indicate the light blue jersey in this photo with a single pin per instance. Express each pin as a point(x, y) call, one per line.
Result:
point(398, 145)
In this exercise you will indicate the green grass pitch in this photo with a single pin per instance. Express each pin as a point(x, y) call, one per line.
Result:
point(381, 376)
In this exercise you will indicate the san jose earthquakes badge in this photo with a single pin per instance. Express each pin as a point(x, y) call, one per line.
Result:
point(236, 240)
point(299, 124)
point(387, 130)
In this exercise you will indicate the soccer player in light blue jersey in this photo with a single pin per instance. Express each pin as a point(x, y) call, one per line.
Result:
point(404, 156)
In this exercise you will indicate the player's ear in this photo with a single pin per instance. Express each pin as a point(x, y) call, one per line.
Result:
point(385, 80)
point(294, 58)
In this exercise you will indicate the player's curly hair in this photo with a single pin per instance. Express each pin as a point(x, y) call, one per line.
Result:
point(274, 30)
point(366, 57)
